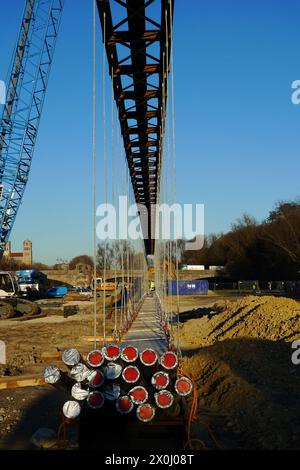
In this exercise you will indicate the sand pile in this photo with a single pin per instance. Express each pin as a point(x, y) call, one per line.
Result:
point(241, 361)
point(274, 318)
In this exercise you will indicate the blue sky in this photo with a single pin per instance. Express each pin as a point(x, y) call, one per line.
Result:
point(237, 131)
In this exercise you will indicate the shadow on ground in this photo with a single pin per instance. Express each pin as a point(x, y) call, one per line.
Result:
point(254, 383)
point(41, 410)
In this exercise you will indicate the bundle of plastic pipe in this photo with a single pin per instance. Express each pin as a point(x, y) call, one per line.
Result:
point(143, 382)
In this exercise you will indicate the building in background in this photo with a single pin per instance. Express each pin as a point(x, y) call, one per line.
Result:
point(24, 257)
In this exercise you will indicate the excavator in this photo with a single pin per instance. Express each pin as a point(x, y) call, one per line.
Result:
point(11, 302)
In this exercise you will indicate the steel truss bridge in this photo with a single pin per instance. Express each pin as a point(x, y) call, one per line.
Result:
point(140, 82)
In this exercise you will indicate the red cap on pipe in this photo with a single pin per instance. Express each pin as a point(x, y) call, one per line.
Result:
point(160, 380)
point(183, 386)
point(95, 358)
point(112, 352)
point(124, 404)
point(164, 399)
point(131, 374)
point(148, 357)
point(129, 354)
point(96, 379)
point(169, 360)
point(138, 395)
point(145, 412)
point(95, 400)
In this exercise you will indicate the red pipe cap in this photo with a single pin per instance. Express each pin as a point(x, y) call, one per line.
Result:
point(160, 380)
point(169, 360)
point(145, 412)
point(112, 352)
point(183, 386)
point(129, 354)
point(164, 399)
point(95, 358)
point(138, 395)
point(95, 400)
point(124, 404)
point(96, 379)
point(131, 374)
point(148, 357)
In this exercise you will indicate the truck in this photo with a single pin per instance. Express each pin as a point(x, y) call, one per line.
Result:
point(32, 283)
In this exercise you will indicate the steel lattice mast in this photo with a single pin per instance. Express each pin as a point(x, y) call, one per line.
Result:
point(26, 93)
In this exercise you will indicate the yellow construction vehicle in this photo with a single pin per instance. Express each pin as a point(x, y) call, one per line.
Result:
point(107, 286)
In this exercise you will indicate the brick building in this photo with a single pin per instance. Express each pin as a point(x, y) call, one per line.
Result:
point(24, 257)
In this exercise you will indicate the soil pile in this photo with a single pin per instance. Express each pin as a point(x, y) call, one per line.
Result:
point(239, 353)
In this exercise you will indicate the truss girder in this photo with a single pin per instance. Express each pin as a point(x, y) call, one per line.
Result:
point(140, 77)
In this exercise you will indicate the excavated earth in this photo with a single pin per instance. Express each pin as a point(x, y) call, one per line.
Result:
point(240, 356)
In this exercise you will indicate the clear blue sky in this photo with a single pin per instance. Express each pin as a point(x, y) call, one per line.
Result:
point(238, 133)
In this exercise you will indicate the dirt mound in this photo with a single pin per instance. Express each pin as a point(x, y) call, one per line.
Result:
point(240, 358)
point(274, 318)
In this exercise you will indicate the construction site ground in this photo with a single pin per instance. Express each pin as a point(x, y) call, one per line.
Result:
point(237, 348)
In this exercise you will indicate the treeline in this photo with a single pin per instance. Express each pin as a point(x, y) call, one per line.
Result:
point(9, 264)
point(269, 250)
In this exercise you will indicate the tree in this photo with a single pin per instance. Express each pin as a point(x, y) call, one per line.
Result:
point(84, 259)
point(40, 266)
point(104, 256)
point(8, 264)
point(282, 229)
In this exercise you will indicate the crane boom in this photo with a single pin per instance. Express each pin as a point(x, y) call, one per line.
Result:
point(22, 112)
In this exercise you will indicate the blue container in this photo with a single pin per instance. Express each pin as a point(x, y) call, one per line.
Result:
point(57, 292)
point(193, 287)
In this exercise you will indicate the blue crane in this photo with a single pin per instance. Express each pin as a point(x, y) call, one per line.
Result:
point(21, 115)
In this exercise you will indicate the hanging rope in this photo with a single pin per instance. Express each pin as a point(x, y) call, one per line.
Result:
point(113, 183)
point(94, 127)
point(175, 175)
point(105, 169)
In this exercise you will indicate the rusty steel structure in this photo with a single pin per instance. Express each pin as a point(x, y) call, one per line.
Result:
point(138, 52)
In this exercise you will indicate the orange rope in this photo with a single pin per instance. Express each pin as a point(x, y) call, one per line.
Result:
point(62, 440)
point(194, 418)
point(62, 433)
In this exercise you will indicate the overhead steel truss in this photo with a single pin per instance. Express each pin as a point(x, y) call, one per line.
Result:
point(140, 82)
point(21, 114)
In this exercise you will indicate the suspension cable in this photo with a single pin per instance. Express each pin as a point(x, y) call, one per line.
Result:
point(94, 127)
point(175, 173)
point(113, 182)
point(105, 169)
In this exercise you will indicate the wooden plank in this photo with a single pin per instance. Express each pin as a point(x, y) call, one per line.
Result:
point(21, 381)
point(34, 317)
point(91, 339)
point(24, 318)
point(48, 356)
